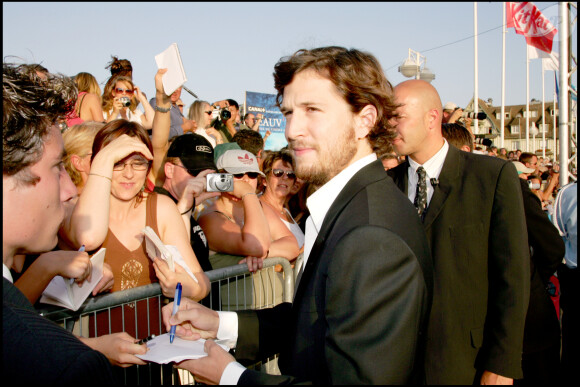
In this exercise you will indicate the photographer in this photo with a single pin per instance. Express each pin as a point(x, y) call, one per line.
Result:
point(252, 121)
point(225, 122)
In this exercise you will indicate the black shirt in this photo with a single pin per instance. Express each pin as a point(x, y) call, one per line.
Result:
point(198, 239)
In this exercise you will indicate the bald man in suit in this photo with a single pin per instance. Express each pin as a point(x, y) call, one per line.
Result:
point(475, 224)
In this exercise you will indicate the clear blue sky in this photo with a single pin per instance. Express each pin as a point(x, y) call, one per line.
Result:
point(228, 48)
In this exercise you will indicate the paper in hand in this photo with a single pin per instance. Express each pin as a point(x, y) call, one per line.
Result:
point(161, 351)
point(175, 76)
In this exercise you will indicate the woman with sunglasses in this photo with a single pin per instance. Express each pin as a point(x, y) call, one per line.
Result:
point(115, 108)
point(237, 223)
point(201, 112)
point(279, 179)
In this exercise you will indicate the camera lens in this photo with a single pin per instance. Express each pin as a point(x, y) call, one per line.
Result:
point(225, 114)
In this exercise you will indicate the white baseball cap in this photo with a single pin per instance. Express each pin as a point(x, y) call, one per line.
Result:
point(238, 161)
point(450, 106)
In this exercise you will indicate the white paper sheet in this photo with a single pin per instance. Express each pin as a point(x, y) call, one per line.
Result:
point(162, 351)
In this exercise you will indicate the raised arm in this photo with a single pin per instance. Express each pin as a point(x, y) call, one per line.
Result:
point(223, 235)
point(147, 118)
point(161, 128)
point(89, 221)
point(173, 233)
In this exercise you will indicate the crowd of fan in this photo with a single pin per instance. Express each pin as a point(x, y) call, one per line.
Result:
point(136, 162)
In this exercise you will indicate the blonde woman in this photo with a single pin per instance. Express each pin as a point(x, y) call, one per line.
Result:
point(88, 106)
point(201, 112)
point(115, 108)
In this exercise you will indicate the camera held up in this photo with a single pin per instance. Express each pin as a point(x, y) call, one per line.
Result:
point(220, 182)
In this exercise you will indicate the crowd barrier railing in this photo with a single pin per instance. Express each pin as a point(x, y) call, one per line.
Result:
point(137, 311)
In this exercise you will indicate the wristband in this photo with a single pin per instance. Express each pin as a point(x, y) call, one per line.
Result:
point(192, 207)
point(248, 193)
point(96, 174)
point(162, 110)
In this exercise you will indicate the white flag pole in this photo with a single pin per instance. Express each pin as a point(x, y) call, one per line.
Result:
point(527, 99)
point(543, 115)
point(475, 70)
point(502, 121)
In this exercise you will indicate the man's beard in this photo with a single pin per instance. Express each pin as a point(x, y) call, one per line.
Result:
point(331, 160)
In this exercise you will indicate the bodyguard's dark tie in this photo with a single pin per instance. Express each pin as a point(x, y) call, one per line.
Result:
point(421, 193)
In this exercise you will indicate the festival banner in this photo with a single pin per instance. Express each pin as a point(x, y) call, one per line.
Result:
point(273, 121)
point(527, 20)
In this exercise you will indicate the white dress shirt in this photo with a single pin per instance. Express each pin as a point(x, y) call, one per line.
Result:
point(432, 167)
point(318, 204)
point(6, 273)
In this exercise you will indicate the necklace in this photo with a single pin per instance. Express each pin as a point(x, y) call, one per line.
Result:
point(281, 212)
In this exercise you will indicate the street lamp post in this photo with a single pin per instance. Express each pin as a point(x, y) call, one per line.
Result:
point(411, 67)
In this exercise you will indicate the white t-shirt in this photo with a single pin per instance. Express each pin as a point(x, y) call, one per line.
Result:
point(133, 116)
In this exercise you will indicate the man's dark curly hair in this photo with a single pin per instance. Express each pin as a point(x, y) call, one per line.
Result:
point(358, 77)
point(31, 105)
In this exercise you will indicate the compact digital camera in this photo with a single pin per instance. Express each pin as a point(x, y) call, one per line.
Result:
point(220, 182)
point(126, 101)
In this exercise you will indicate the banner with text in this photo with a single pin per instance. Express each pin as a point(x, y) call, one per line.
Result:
point(273, 121)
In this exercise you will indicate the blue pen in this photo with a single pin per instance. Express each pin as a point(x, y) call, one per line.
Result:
point(176, 302)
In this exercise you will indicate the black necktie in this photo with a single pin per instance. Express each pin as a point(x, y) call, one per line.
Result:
point(421, 193)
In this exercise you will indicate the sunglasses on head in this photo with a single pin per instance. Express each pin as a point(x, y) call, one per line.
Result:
point(121, 91)
point(251, 175)
point(280, 172)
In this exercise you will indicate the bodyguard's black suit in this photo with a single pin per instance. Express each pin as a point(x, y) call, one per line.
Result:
point(361, 305)
point(476, 228)
point(541, 357)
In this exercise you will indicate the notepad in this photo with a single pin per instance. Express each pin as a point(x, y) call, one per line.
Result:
point(162, 351)
point(61, 293)
point(175, 75)
point(157, 249)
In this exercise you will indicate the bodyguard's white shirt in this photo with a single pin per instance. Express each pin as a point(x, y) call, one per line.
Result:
point(433, 168)
point(318, 204)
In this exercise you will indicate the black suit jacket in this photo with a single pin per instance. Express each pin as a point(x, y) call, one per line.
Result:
point(475, 224)
point(36, 351)
point(546, 252)
point(361, 305)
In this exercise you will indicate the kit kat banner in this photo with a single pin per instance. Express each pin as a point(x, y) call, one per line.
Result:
point(527, 20)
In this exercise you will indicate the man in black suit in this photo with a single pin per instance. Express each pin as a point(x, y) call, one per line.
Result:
point(361, 303)
point(472, 211)
point(541, 352)
point(35, 186)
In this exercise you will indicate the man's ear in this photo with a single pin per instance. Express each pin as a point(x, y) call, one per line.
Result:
point(434, 119)
point(168, 168)
point(365, 121)
point(77, 162)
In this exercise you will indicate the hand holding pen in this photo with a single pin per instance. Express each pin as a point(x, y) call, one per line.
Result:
point(87, 271)
point(176, 302)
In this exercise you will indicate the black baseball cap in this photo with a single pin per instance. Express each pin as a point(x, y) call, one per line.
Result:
point(194, 151)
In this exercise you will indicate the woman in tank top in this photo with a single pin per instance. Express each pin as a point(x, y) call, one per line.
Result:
point(279, 178)
point(117, 223)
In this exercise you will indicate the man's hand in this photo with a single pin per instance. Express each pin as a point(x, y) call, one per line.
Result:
point(209, 369)
point(193, 320)
point(455, 115)
point(491, 378)
point(196, 188)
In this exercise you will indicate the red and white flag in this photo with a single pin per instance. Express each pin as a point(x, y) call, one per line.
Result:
point(527, 20)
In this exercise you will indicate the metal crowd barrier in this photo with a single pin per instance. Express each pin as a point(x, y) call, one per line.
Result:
point(137, 311)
